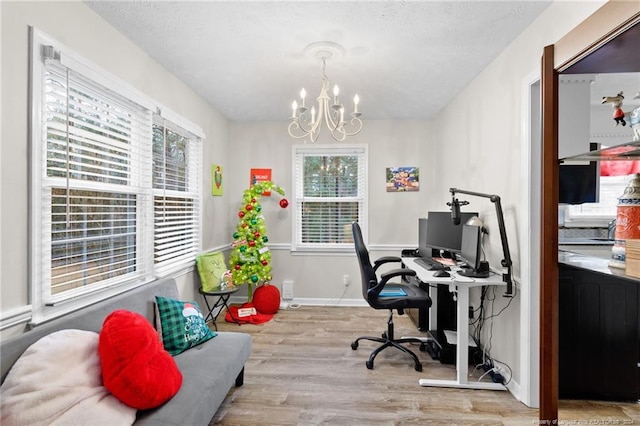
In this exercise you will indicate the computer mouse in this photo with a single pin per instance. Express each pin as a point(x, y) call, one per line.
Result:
point(441, 274)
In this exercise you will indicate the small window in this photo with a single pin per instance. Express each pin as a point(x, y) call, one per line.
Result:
point(614, 178)
point(330, 193)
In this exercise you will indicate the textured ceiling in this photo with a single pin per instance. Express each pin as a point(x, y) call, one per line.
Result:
point(405, 59)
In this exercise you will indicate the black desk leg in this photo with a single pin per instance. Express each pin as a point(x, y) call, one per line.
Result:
point(220, 302)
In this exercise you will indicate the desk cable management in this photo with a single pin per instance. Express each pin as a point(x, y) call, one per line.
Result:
point(487, 362)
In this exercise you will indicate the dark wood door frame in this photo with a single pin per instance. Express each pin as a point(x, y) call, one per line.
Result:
point(549, 243)
point(600, 29)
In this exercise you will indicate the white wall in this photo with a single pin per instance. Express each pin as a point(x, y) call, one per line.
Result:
point(393, 216)
point(78, 27)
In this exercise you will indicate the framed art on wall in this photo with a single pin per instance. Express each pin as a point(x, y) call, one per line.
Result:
point(260, 175)
point(403, 179)
point(216, 179)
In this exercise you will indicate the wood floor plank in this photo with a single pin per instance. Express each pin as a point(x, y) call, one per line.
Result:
point(303, 372)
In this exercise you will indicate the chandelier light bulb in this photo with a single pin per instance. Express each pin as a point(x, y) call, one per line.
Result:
point(294, 108)
point(356, 101)
point(303, 94)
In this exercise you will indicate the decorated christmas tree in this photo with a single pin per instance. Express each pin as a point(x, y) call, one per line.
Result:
point(250, 258)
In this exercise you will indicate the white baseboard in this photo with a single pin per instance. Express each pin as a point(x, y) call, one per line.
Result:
point(302, 301)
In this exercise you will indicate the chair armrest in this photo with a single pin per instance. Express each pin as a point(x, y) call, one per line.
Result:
point(402, 272)
point(384, 278)
point(385, 259)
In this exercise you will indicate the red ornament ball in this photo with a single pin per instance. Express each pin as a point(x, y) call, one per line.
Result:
point(249, 207)
point(266, 299)
point(240, 214)
point(284, 203)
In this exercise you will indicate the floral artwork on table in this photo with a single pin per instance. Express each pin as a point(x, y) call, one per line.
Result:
point(403, 179)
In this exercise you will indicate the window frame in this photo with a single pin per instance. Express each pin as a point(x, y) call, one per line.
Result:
point(44, 306)
point(298, 152)
point(597, 214)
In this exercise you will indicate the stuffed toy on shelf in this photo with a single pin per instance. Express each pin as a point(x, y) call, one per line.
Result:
point(616, 103)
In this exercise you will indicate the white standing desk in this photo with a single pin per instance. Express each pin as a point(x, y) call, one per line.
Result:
point(461, 285)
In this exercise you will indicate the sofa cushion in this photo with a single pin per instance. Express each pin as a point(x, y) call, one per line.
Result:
point(57, 381)
point(209, 370)
point(182, 325)
point(135, 366)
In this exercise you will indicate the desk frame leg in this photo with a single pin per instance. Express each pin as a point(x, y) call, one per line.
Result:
point(462, 352)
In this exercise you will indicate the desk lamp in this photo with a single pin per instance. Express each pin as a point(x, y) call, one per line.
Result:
point(495, 199)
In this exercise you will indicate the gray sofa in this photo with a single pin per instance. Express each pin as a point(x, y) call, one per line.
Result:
point(209, 370)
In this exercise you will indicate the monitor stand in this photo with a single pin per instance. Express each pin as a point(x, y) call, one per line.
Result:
point(472, 273)
point(481, 272)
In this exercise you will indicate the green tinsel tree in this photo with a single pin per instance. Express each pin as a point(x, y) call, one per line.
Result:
point(250, 258)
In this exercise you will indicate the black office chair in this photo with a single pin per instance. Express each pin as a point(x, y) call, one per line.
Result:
point(371, 287)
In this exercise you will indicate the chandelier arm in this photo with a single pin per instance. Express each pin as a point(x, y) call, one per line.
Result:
point(293, 126)
point(357, 123)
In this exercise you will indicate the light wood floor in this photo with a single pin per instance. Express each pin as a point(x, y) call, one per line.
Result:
point(303, 372)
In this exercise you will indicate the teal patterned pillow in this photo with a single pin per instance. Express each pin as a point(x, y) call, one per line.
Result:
point(183, 325)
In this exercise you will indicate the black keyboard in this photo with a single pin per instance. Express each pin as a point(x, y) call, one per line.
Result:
point(431, 264)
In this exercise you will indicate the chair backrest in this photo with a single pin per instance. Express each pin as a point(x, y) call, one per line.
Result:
point(369, 278)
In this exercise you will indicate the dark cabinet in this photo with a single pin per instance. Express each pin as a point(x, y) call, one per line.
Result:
point(599, 336)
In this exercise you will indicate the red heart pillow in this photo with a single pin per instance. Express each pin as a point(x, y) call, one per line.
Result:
point(135, 367)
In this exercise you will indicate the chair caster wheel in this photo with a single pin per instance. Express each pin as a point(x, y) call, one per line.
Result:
point(418, 367)
point(423, 347)
point(369, 365)
point(354, 345)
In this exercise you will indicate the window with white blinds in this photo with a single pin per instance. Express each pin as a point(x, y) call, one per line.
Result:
point(115, 185)
point(330, 193)
point(176, 194)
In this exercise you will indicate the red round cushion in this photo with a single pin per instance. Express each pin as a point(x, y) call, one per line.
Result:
point(136, 368)
point(266, 299)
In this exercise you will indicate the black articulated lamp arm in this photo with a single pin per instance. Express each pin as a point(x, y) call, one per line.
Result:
point(506, 262)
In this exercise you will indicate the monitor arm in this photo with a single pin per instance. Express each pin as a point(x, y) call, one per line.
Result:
point(506, 262)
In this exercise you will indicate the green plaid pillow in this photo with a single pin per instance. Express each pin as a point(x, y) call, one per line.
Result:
point(183, 325)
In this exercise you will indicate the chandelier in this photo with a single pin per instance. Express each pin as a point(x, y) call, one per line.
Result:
point(308, 122)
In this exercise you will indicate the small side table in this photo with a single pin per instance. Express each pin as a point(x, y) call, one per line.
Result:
point(222, 298)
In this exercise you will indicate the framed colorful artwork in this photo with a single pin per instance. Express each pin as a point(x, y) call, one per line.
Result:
point(403, 179)
point(216, 179)
point(260, 175)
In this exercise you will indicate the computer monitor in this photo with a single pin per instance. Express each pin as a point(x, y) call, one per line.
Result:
point(442, 234)
point(471, 253)
point(423, 249)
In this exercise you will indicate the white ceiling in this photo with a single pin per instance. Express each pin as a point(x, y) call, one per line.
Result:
point(405, 59)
